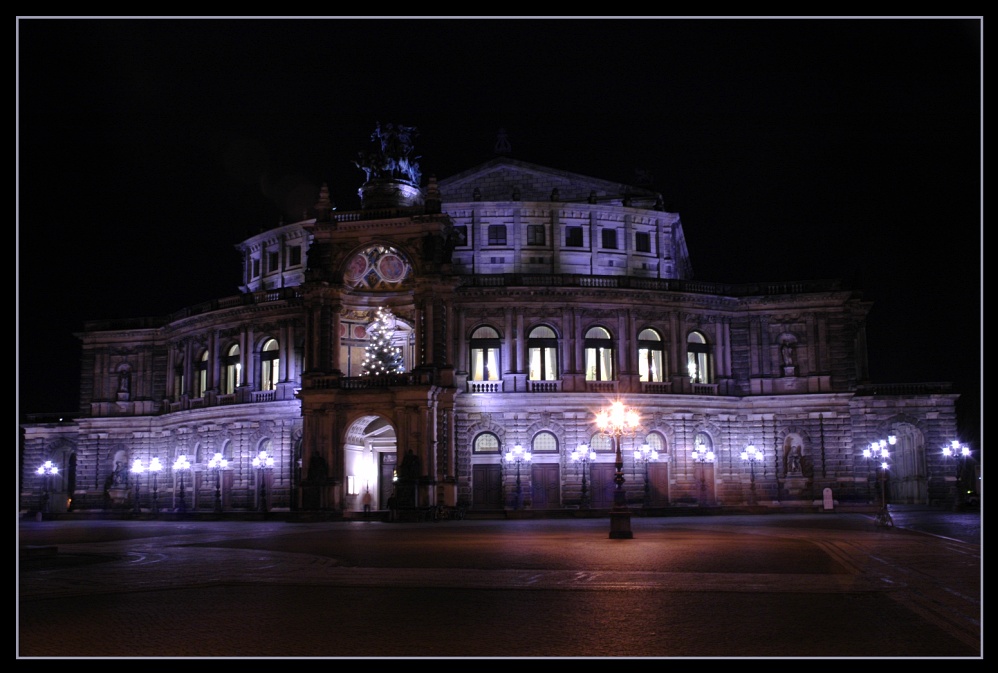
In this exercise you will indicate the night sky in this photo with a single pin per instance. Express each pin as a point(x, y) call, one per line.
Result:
point(793, 149)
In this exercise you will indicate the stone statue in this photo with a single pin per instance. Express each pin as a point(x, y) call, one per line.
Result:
point(794, 467)
point(409, 469)
point(392, 156)
point(787, 353)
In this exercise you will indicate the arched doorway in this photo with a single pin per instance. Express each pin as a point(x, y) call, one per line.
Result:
point(908, 474)
point(370, 457)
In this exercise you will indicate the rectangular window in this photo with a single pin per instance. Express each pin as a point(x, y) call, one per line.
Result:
point(272, 261)
point(461, 235)
point(610, 239)
point(535, 234)
point(294, 255)
point(573, 237)
point(642, 242)
point(256, 268)
point(497, 234)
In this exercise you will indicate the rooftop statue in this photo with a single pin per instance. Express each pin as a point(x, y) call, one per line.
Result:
point(392, 155)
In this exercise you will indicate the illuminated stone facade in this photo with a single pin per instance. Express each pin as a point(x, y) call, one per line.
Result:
point(526, 300)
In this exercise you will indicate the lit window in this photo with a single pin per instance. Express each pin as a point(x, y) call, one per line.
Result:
point(698, 358)
point(651, 356)
point(486, 443)
point(545, 442)
point(201, 376)
point(542, 354)
point(231, 369)
point(599, 355)
point(178, 377)
point(485, 354)
point(269, 365)
point(601, 443)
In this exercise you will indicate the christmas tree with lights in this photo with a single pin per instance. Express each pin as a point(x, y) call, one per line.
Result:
point(382, 357)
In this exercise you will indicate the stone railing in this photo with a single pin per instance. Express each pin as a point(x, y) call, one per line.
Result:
point(485, 386)
point(658, 284)
point(544, 386)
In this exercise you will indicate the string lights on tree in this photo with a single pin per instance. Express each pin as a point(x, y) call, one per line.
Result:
point(381, 356)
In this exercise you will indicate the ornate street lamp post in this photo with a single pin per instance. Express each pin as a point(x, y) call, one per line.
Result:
point(182, 466)
point(961, 452)
point(216, 464)
point(702, 456)
point(155, 467)
point(643, 454)
point(137, 469)
point(262, 463)
point(752, 454)
point(584, 455)
point(47, 469)
point(878, 451)
point(517, 455)
point(617, 422)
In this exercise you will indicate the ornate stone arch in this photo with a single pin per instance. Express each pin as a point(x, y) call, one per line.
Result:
point(63, 453)
point(908, 473)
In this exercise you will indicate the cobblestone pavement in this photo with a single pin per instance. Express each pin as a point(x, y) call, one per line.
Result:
point(823, 585)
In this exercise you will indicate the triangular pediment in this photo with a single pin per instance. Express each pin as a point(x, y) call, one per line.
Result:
point(506, 179)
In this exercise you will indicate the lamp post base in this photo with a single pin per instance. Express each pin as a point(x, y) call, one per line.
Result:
point(620, 525)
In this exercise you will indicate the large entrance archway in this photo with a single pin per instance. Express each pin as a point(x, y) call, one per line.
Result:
point(369, 458)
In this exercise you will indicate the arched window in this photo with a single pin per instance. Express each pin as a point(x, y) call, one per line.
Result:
point(544, 442)
point(657, 442)
point(269, 365)
point(651, 356)
point(542, 354)
point(231, 368)
point(178, 377)
point(485, 354)
point(698, 358)
point(201, 375)
point(601, 443)
point(486, 443)
point(599, 355)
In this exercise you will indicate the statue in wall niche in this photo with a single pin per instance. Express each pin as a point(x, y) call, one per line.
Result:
point(794, 466)
point(793, 456)
point(787, 353)
point(124, 381)
point(118, 476)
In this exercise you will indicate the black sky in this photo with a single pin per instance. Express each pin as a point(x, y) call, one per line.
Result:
point(792, 149)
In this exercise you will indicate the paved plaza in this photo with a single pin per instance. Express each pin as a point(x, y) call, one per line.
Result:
point(824, 585)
